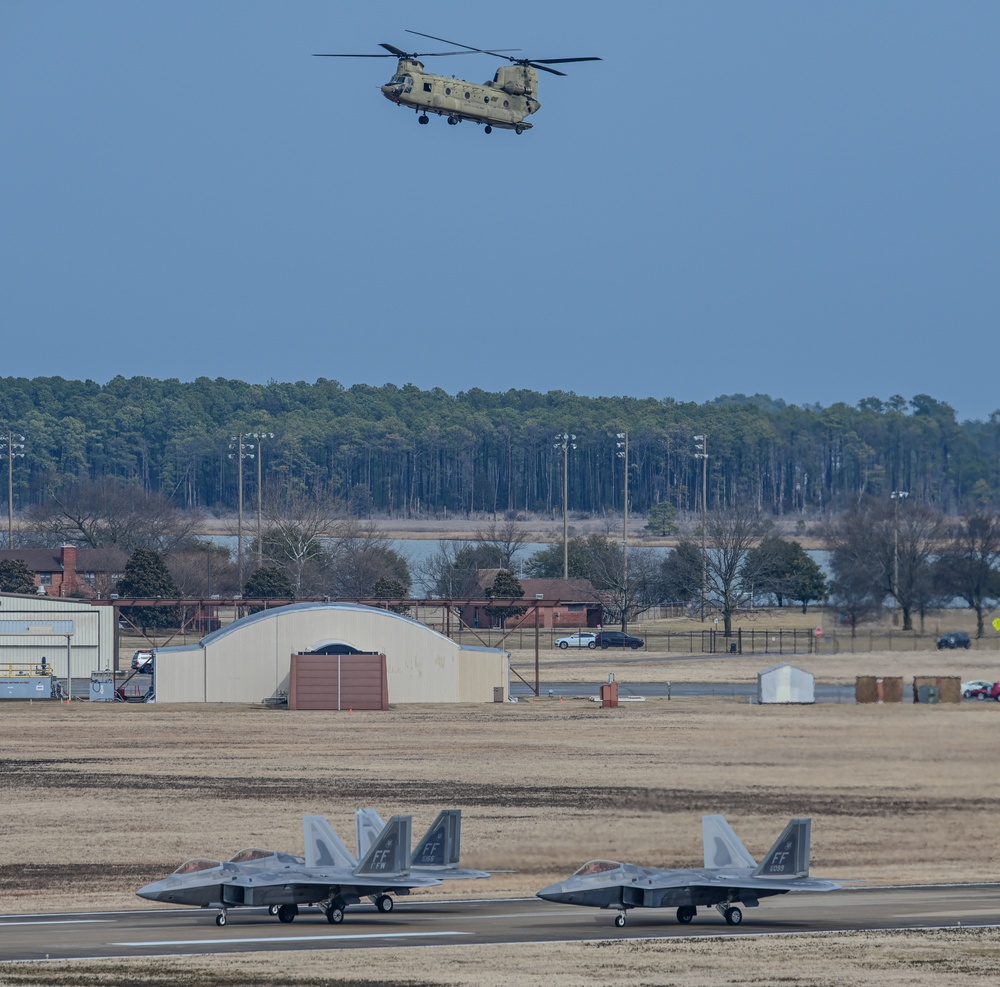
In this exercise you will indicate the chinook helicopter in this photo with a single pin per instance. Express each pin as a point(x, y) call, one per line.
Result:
point(504, 102)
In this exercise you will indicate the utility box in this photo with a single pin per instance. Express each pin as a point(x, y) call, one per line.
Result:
point(102, 686)
point(609, 694)
point(26, 687)
point(937, 689)
point(878, 689)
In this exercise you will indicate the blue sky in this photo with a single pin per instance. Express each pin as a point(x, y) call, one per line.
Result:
point(793, 198)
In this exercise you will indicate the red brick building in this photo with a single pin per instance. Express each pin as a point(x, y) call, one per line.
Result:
point(68, 571)
point(580, 604)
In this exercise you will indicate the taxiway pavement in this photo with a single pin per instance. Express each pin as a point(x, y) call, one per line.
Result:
point(187, 931)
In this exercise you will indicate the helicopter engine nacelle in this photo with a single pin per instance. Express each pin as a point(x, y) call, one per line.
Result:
point(518, 80)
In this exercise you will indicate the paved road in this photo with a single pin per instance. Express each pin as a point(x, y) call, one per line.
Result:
point(157, 932)
point(822, 692)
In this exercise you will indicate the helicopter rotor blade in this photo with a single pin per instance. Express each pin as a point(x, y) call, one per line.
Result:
point(544, 68)
point(538, 63)
point(457, 43)
point(557, 61)
point(399, 53)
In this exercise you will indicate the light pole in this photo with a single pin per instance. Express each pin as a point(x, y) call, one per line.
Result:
point(566, 441)
point(701, 444)
point(897, 496)
point(259, 436)
point(623, 455)
point(239, 453)
point(13, 442)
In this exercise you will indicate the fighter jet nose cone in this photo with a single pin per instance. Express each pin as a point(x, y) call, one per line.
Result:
point(151, 892)
point(551, 893)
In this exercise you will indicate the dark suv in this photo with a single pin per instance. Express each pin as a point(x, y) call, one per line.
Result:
point(616, 639)
point(954, 639)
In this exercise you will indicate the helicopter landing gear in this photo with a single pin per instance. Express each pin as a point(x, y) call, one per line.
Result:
point(519, 129)
point(489, 129)
point(423, 118)
point(452, 121)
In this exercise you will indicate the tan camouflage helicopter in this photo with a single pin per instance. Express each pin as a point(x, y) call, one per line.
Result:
point(504, 102)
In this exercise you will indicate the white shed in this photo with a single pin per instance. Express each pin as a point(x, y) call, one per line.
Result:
point(250, 660)
point(784, 684)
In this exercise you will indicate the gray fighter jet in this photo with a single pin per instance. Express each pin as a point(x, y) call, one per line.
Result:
point(436, 855)
point(730, 875)
point(328, 876)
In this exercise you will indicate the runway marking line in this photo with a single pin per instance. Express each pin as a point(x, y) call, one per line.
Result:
point(240, 942)
point(60, 921)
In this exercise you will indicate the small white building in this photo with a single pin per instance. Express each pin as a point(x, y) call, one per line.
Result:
point(250, 660)
point(784, 684)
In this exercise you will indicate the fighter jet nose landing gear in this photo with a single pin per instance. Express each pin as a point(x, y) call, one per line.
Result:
point(220, 919)
point(620, 920)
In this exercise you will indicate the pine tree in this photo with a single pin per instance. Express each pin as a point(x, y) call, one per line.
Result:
point(146, 576)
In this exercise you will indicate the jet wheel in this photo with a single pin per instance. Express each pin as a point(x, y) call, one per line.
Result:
point(335, 914)
point(272, 910)
point(733, 916)
point(685, 914)
point(620, 920)
point(287, 913)
point(220, 919)
point(384, 903)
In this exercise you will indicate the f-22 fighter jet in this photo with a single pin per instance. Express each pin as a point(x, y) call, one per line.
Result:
point(730, 875)
point(328, 876)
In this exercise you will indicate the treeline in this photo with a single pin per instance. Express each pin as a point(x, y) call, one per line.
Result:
point(402, 451)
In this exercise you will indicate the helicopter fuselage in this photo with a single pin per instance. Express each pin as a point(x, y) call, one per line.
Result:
point(505, 102)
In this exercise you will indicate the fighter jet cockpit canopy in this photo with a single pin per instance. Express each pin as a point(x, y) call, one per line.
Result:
point(596, 867)
point(194, 866)
point(254, 855)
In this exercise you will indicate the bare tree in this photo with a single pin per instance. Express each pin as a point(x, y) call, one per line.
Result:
point(887, 545)
point(111, 513)
point(730, 568)
point(507, 538)
point(296, 540)
point(360, 556)
point(968, 566)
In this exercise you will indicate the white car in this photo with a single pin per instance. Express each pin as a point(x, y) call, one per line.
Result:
point(582, 639)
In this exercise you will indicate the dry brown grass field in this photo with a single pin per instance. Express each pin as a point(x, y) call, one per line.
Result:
point(100, 798)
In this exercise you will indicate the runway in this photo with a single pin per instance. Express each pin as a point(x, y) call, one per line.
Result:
point(185, 931)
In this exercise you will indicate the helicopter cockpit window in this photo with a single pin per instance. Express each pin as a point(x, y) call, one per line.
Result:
point(427, 87)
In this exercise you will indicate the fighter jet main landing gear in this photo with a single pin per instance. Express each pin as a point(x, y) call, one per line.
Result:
point(384, 903)
point(730, 913)
point(335, 912)
point(686, 913)
point(620, 919)
point(287, 913)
